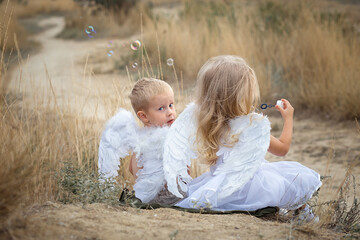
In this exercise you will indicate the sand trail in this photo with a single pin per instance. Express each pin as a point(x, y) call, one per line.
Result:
point(62, 65)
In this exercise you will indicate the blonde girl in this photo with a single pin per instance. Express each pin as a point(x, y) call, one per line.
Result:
point(223, 130)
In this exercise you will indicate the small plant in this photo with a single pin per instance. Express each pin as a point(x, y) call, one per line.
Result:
point(85, 186)
point(346, 218)
point(173, 234)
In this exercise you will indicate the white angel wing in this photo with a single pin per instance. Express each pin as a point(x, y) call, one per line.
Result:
point(118, 138)
point(150, 179)
point(178, 151)
point(242, 161)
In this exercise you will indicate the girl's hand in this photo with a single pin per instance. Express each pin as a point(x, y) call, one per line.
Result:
point(288, 111)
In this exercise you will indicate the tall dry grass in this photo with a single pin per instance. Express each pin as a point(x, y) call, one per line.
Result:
point(26, 9)
point(108, 22)
point(36, 142)
point(295, 51)
point(47, 153)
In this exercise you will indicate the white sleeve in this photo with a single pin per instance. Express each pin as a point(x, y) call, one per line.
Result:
point(118, 138)
point(178, 150)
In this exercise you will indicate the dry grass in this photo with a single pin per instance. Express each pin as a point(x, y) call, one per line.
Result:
point(296, 52)
point(10, 29)
point(341, 214)
point(20, 10)
point(26, 9)
point(117, 23)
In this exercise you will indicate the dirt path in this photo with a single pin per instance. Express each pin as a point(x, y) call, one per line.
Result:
point(64, 64)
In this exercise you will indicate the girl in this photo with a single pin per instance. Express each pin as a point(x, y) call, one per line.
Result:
point(222, 129)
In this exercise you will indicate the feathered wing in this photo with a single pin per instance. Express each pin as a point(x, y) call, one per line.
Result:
point(242, 161)
point(178, 151)
point(150, 179)
point(118, 138)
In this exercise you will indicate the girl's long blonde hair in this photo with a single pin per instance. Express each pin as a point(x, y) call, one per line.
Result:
point(226, 88)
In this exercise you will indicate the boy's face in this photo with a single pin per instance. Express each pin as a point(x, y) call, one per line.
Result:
point(161, 110)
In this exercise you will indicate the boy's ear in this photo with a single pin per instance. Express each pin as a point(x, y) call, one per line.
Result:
point(142, 116)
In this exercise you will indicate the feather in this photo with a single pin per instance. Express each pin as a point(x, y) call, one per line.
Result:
point(150, 179)
point(243, 160)
point(117, 140)
point(178, 151)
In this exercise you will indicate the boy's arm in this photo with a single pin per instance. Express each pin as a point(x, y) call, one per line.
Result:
point(130, 165)
point(133, 167)
point(281, 146)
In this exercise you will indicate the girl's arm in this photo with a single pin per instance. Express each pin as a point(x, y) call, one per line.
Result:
point(281, 146)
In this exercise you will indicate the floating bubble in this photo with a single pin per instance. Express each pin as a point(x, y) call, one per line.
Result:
point(110, 43)
point(135, 45)
point(110, 53)
point(89, 31)
point(135, 65)
point(170, 62)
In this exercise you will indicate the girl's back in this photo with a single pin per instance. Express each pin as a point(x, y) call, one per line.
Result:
point(233, 139)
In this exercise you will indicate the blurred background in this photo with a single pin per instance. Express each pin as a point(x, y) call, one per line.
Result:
point(306, 50)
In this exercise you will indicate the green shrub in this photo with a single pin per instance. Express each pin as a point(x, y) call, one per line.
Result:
point(86, 186)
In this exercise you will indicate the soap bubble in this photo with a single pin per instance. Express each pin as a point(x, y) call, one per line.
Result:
point(89, 31)
point(110, 53)
point(110, 43)
point(135, 45)
point(135, 65)
point(170, 62)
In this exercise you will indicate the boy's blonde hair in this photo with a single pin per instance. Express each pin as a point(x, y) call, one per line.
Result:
point(144, 90)
point(226, 88)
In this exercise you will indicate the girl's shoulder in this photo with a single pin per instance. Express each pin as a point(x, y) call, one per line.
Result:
point(250, 120)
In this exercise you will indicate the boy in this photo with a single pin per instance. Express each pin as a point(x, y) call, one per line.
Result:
point(153, 103)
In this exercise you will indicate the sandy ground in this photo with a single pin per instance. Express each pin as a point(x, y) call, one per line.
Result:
point(326, 146)
point(99, 221)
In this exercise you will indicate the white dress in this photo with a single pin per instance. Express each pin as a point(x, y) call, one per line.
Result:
point(283, 184)
point(241, 179)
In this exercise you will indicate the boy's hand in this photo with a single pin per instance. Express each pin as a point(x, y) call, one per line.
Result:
point(288, 111)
